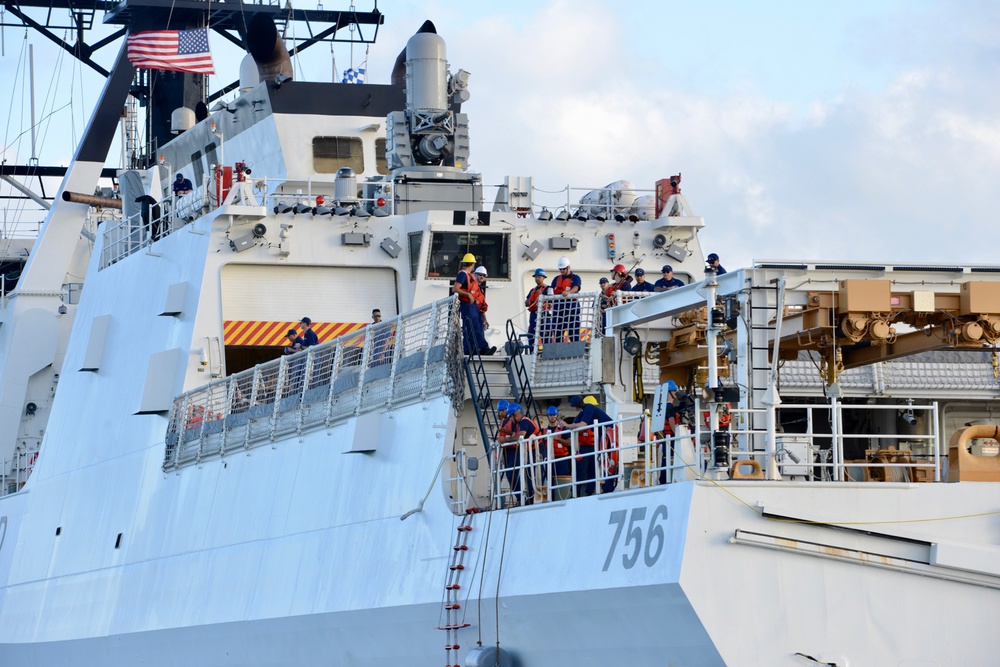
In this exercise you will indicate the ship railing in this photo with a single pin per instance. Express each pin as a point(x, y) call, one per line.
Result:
point(524, 471)
point(619, 202)
point(16, 471)
point(128, 235)
point(529, 470)
point(408, 358)
point(460, 480)
point(818, 452)
point(564, 337)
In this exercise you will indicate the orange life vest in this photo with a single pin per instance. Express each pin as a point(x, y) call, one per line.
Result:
point(515, 429)
point(472, 286)
point(562, 284)
point(559, 450)
point(532, 301)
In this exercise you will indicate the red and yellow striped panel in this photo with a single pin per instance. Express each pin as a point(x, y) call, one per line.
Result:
point(261, 334)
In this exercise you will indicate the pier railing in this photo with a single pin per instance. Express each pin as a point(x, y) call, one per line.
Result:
point(405, 359)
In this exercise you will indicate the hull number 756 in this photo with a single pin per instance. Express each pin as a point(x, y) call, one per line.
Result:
point(641, 537)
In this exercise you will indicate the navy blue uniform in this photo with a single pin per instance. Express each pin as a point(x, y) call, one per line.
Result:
point(310, 338)
point(586, 461)
point(663, 284)
point(642, 287)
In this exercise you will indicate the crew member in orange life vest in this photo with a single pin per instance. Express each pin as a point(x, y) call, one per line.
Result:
point(504, 425)
point(586, 460)
point(566, 314)
point(669, 423)
point(556, 448)
point(522, 428)
point(480, 276)
point(619, 283)
point(531, 302)
point(467, 289)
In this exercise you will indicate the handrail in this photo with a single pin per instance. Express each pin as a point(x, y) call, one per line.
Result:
point(520, 380)
point(405, 359)
point(613, 446)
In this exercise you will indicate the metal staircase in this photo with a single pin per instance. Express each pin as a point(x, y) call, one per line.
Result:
point(517, 372)
point(495, 378)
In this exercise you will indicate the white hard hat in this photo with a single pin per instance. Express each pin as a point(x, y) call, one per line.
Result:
point(563, 263)
point(481, 270)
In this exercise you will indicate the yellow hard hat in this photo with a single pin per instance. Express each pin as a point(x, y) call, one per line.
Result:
point(589, 400)
point(469, 258)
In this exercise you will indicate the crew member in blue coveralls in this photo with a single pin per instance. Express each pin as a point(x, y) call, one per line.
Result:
point(467, 289)
point(670, 421)
point(294, 342)
point(640, 282)
point(605, 299)
point(586, 459)
point(503, 422)
point(713, 261)
point(308, 335)
point(557, 451)
point(566, 315)
point(522, 428)
point(667, 282)
point(531, 302)
point(182, 186)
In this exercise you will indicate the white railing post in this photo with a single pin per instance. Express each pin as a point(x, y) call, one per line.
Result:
point(936, 442)
point(431, 337)
point(837, 442)
point(574, 449)
point(598, 474)
point(522, 451)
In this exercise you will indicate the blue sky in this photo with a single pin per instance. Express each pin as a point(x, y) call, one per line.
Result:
point(804, 129)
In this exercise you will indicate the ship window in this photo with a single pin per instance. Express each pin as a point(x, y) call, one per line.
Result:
point(447, 249)
point(196, 166)
point(415, 239)
point(210, 157)
point(381, 166)
point(332, 153)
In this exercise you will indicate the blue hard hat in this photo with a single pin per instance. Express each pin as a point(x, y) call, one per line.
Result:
point(502, 405)
point(553, 410)
point(671, 385)
point(513, 407)
point(540, 272)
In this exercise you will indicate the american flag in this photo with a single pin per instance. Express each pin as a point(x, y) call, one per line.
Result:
point(354, 75)
point(176, 50)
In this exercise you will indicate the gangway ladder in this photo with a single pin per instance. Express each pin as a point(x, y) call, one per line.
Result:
point(520, 384)
point(452, 606)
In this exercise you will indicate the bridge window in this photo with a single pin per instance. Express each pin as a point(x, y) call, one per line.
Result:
point(381, 166)
point(447, 249)
point(415, 239)
point(332, 153)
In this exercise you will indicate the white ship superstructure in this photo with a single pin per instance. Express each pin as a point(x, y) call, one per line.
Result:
point(184, 493)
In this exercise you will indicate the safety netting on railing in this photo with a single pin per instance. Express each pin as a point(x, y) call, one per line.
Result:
point(564, 337)
point(405, 359)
